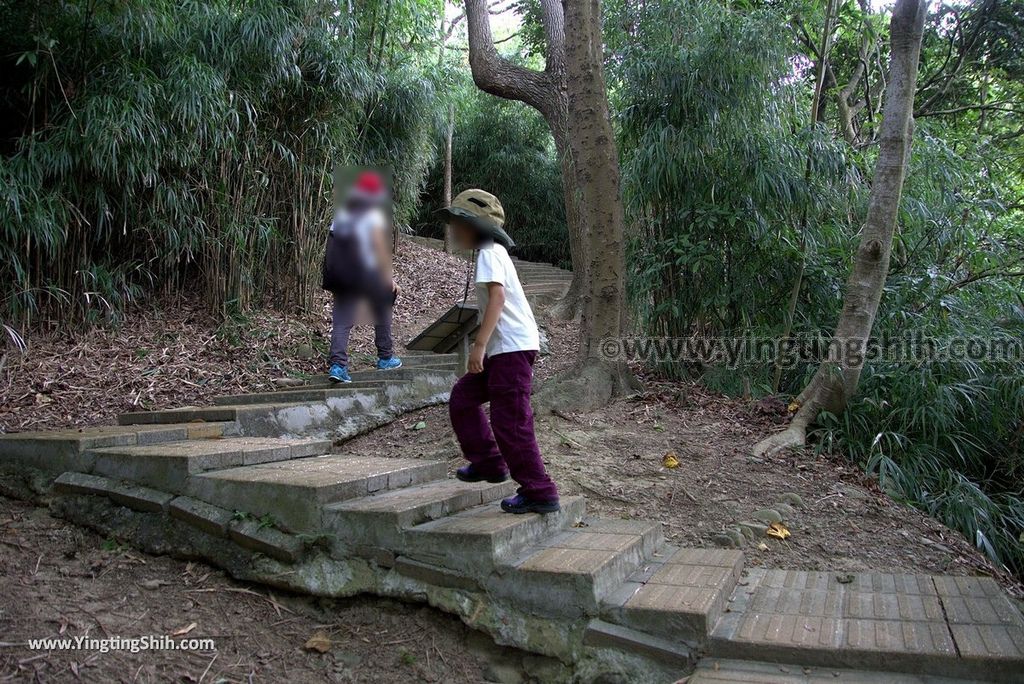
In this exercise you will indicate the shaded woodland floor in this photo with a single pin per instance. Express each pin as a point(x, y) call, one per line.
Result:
point(70, 582)
point(171, 352)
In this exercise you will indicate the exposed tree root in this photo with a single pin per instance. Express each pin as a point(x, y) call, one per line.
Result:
point(567, 308)
point(794, 436)
point(586, 386)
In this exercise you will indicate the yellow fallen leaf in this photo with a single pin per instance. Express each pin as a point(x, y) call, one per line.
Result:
point(793, 406)
point(778, 530)
point(669, 460)
point(319, 642)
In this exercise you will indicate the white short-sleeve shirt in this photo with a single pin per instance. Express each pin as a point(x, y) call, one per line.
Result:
point(517, 328)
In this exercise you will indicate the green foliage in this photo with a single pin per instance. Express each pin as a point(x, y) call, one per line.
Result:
point(720, 170)
point(505, 148)
point(947, 437)
point(177, 145)
point(731, 194)
point(184, 146)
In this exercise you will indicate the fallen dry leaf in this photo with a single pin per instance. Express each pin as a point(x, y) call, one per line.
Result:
point(669, 460)
point(319, 642)
point(778, 530)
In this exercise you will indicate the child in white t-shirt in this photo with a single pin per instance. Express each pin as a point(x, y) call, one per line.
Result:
point(500, 365)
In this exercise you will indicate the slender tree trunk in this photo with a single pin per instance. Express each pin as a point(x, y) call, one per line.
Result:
point(449, 134)
point(836, 379)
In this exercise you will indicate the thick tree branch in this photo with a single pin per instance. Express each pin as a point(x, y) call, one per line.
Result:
point(496, 75)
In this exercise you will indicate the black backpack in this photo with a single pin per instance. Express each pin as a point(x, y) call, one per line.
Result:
point(344, 269)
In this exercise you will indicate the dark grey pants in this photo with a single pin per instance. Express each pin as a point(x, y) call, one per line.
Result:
point(343, 317)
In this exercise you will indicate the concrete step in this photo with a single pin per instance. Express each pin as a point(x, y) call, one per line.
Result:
point(719, 671)
point(538, 288)
point(518, 260)
point(543, 270)
point(380, 520)
point(168, 466)
point(545, 281)
point(186, 414)
point(679, 593)
point(544, 278)
point(946, 626)
point(354, 402)
point(477, 541)
point(443, 369)
point(69, 450)
point(527, 267)
point(407, 373)
point(294, 492)
point(415, 359)
point(673, 653)
point(307, 394)
point(573, 571)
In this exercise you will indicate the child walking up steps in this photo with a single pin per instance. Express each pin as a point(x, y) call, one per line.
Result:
point(500, 365)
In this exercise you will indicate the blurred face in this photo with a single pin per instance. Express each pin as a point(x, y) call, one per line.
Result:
point(463, 233)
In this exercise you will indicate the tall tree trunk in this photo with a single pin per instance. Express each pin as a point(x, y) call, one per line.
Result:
point(592, 144)
point(572, 97)
point(836, 379)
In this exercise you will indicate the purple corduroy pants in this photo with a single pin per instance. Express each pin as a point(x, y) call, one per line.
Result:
point(506, 442)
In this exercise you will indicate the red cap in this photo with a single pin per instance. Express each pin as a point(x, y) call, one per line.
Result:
point(369, 182)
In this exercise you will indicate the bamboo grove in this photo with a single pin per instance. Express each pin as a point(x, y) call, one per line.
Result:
point(175, 146)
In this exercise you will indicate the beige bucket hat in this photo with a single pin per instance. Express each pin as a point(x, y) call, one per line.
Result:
point(483, 211)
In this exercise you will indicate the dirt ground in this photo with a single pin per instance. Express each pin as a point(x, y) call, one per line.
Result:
point(61, 581)
point(171, 352)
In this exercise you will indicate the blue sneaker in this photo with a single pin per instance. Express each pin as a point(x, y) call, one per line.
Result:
point(339, 373)
point(390, 363)
point(522, 504)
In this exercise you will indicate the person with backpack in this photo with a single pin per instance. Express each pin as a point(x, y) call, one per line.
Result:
point(357, 267)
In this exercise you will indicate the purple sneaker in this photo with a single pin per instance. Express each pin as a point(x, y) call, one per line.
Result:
point(467, 474)
point(522, 504)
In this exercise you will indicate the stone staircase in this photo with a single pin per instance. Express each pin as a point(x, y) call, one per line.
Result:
point(263, 485)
